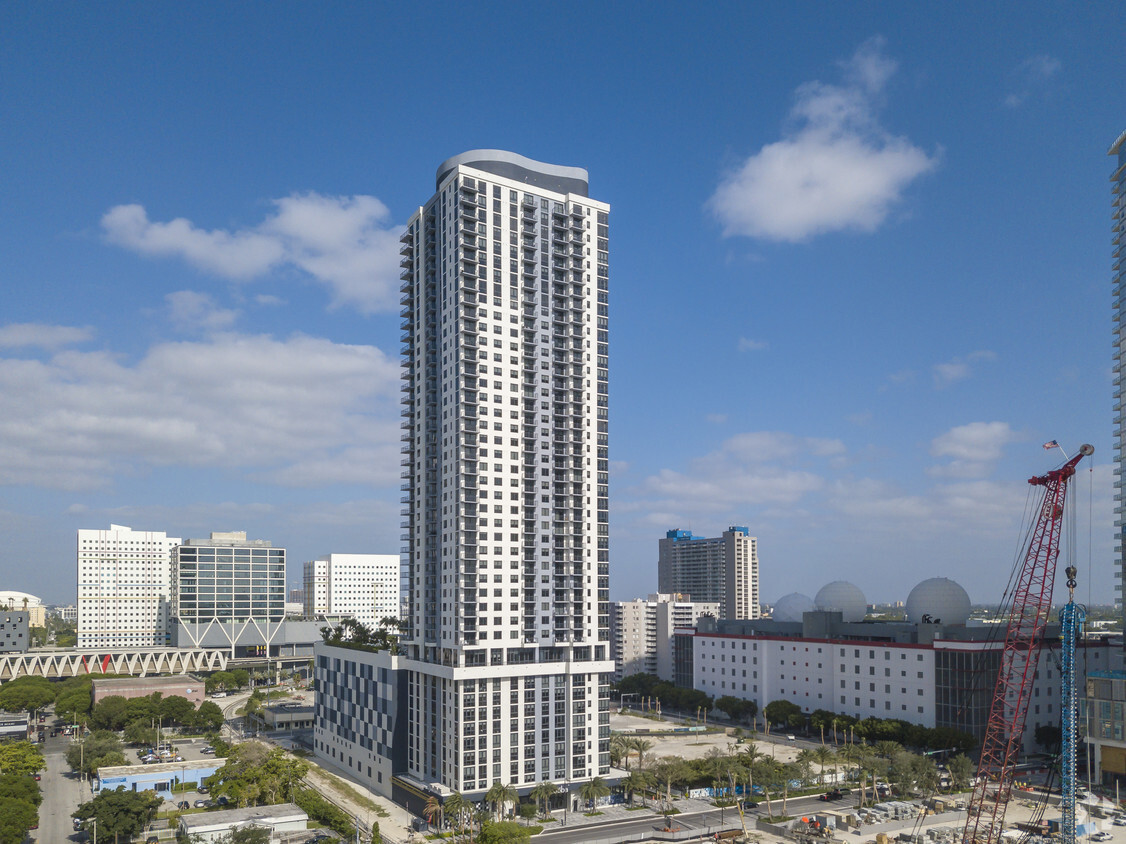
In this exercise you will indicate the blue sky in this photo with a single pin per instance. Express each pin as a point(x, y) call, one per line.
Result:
point(860, 266)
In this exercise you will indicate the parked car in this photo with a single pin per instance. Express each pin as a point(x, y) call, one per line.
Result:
point(183, 804)
point(222, 801)
point(38, 777)
point(77, 823)
point(152, 839)
point(201, 804)
point(1101, 836)
point(207, 749)
point(831, 795)
point(202, 789)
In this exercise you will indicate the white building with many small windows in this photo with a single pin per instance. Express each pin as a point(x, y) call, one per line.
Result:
point(361, 586)
point(124, 587)
point(924, 672)
point(641, 632)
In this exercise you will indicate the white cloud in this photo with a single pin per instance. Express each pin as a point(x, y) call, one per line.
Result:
point(748, 345)
point(1032, 78)
point(716, 418)
point(33, 334)
point(836, 169)
point(755, 468)
point(302, 410)
point(346, 243)
point(972, 448)
point(959, 368)
point(192, 311)
point(268, 299)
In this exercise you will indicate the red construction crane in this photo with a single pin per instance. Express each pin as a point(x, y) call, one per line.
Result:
point(1028, 613)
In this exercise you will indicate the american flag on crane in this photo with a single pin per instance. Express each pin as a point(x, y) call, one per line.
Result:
point(1051, 444)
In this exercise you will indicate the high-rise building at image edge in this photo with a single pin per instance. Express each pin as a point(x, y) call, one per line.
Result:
point(1118, 282)
point(721, 569)
point(505, 659)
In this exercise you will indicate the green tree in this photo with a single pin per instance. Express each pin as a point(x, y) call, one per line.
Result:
point(781, 712)
point(503, 832)
point(544, 792)
point(1049, 736)
point(254, 775)
point(736, 708)
point(26, 694)
point(433, 811)
point(145, 708)
point(21, 757)
point(667, 770)
point(376, 835)
point(500, 795)
point(641, 746)
point(960, 769)
point(323, 812)
point(111, 713)
point(240, 677)
point(16, 819)
point(72, 701)
point(527, 811)
point(99, 749)
point(140, 733)
point(19, 786)
point(177, 709)
point(456, 808)
point(636, 781)
point(594, 790)
point(120, 813)
point(208, 717)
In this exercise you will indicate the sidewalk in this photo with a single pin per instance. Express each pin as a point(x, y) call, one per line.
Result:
point(395, 827)
point(620, 811)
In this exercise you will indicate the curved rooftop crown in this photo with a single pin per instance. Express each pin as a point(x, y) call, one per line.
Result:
point(509, 165)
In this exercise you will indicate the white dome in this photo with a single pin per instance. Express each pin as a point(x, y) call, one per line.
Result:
point(941, 599)
point(790, 607)
point(844, 597)
point(14, 600)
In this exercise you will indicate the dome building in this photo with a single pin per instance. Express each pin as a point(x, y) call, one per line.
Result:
point(844, 597)
point(938, 600)
point(791, 607)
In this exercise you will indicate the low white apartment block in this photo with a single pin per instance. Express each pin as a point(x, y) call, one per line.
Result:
point(943, 677)
point(641, 632)
point(124, 587)
point(362, 586)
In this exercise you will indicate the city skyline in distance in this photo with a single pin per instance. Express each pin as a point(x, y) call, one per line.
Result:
point(200, 330)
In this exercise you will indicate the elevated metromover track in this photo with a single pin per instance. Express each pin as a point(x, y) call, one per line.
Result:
point(58, 664)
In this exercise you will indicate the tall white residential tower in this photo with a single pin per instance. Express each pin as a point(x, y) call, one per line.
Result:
point(505, 438)
point(723, 569)
point(124, 587)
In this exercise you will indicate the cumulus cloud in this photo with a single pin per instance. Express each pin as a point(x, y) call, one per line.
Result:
point(1031, 78)
point(972, 448)
point(959, 368)
point(756, 468)
point(748, 345)
point(346, 243)
point(192, 311)
point(836, 168)
point(37, 335)
point(301, 410)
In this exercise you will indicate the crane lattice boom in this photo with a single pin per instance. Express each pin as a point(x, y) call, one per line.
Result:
point(1028, 614)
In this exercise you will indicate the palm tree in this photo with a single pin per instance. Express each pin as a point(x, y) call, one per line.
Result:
point(500, 795)
point(636, 781)
point(544, 792)
point(887, 749)
point(432, 810)
point(620, 748)
point(823, 756)
point(455, 807)
point(593, 790)
point(669, 769)
point(641, 746)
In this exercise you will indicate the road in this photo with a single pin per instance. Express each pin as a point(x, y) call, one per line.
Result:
point(631, 829)
point(62, 793)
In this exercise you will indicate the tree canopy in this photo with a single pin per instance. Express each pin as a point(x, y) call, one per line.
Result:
point(26, 694)
point(99, 749)
point(120, 812)
point(670, 696)
point(21, 757)
point(256, 775)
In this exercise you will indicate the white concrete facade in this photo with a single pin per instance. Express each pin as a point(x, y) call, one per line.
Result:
point(641, 632)
point(506, 467)
point(911, 682)
point(124, 587)
point(363, 586)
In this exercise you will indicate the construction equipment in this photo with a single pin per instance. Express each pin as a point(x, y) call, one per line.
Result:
point(1027, 617)
point(1072, 617)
